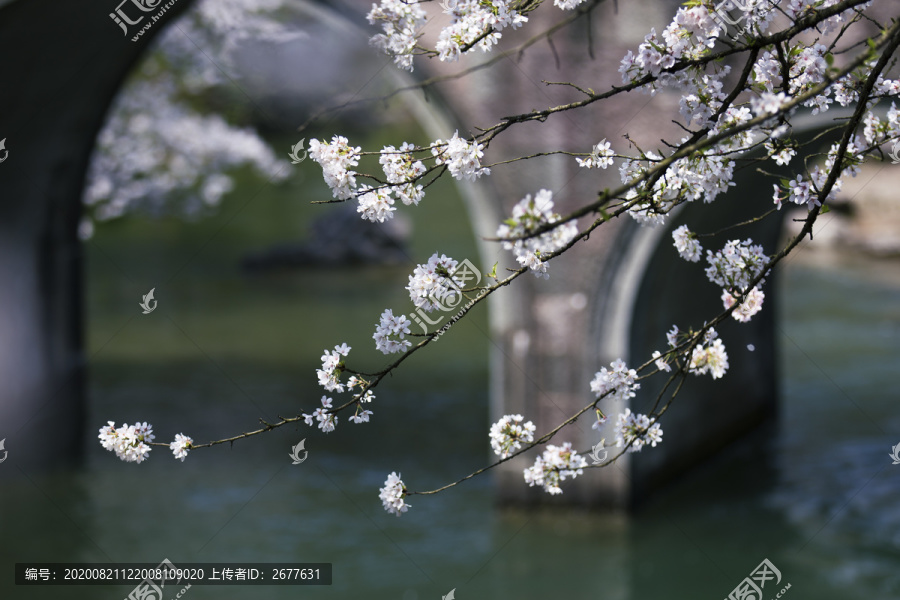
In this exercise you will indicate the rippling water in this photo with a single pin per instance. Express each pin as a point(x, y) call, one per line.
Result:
point(815, 492)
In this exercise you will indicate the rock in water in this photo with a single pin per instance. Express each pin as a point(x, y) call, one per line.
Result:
point(340, 238)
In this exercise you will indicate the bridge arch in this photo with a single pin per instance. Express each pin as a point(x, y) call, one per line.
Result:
point(541, 362)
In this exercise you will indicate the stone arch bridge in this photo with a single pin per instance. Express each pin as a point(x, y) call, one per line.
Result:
point(611, 297)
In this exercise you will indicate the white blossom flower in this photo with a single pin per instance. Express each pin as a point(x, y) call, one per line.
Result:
point(401, 22)
point(601, 420)
point(736, 265)
point(330, 373)
point(601, 156)
point(567, 4)
point(554, 466)
point(637, 430)
point(508, 434)
point(472, 20)
point(327, 421)
point(390, 331)
point(672, 336)
point(749, 307)
point(401, 170)
point(461, 157)
point(361, 416)
point(392, 495)
point(686, 243)
point(335, 158)
point(781, 153)
point(767, 103)
point(621, 380)
point(375, 204)
point(431, 286)
point(709, 357)
point(129, 442)
point(661, 362)
point(527, 216)
point(181, 446)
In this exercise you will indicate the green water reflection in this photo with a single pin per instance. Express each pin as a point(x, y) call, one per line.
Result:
point(814, 493)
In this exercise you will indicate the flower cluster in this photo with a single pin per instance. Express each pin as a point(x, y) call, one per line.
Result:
point(527, 216)
point(375, 204)
point(180, 446)
point(601, 156)
point(704, 176)
point(767, 103)
point(686, 243)
point(392, 495)
point(361, 415)
point(554, 466)
point(567, 4)
point(508, 434)
point(129, 442)
point(390, 332)
point(709, 357)
point(156, 152)
point(327, 421)
point(736, 265)
point(431, 285)
point(461, 157)
point(636, 429)
point(662, 362)
point(400, 21)
point(619, 382)
point(335, 159)
point(782, 153)
point(480, 20)
point(749, 307)
point(330, 373)
point(691, 33)
point(401, 170)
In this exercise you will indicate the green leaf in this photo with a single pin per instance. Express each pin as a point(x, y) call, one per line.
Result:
point(825, 209)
